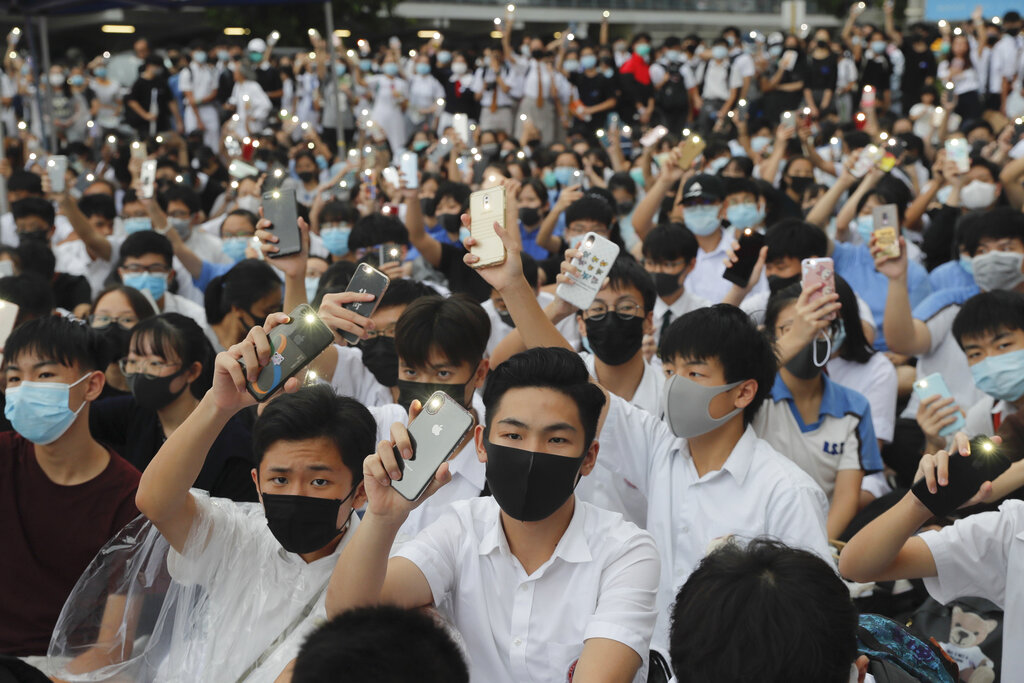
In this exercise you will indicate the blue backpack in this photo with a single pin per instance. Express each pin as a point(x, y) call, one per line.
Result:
point(896, 654)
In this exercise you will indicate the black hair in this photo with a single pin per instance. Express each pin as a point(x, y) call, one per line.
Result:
point(317, 412)
point(375, 229)
point(626, 272)
point(25, 181)
point(37, 257)
point(457, 327)
point(592, 208)
point(98, 205)
point(33, 206)
point(998, 223)
point(993, 169)
point(139, 244)
point(335, 279)
point(989, 313)
point(402, 292)
point(969, 227)
point(550, 368)
point(180, 193)
point(856, 347)
point(139, 303)
point(246, 283)
point(458, 191)
point(726, 334)
point(885, 196)
point(246, 214)
point(65, 340)
point(338, 211)
point(622, 180)
point(170, 335)
point(670, 242)
point(30, 292)
point(738, 185)
point(746, 165)
point(358, 645)
point(530, 271)
point(795, 238)
point(741, 596)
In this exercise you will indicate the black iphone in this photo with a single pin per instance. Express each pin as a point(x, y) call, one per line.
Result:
point(750, 241)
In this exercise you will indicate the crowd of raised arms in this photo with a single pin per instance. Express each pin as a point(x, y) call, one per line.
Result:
point(729, 330)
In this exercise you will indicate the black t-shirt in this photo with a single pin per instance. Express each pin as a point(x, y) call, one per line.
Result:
point(918, 67)
point(876, 72)
point(135, 433)
point(461, 278)
point(593, 89)
point(270, 81)
point(142, 92)
point(821, 73)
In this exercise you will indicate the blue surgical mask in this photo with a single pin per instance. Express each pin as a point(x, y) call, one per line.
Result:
point(775, 50)
point(365, 65)
point(464, 234)
point(234, 247)
point(759, 142)
point(550, 181)
point(137, 224)
point(588, 61)
point(878, 46)
point(153, 283)
point(223, 55)
point(672, 55)
point(575, 240)
point(719, 52)
point(608, 73)
point(864, 225)
point(390, 69)
point(967, 263)
point(339, 70)
point(702, 220)
point(743, 216)
point(423, 68)
point(1002, 376)
point(443, 57)
point(717, 164)
point(199, 57)
point(420, 145)
point(100, 72)
point(77, 80)
point(312, 283)
point(637, 174)
point(336, 239)
point(571, 65)
point(563, 174)
point(39, 411)
point(838, 337)
point(942, 196)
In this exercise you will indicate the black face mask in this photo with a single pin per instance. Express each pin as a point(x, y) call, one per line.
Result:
point(506, 318)
point(802, 364)
point(304, 524)
point(37, 236)
point(307, 176)
point(666, 284)
point(421, 391)
point(530, 486)
point(153, 393)
point(381, 359)
point(623, 208)
point(1012, 31)
point(614, 340)
point(117, 338)
point(992, 40)
point(777, 283)
point(428, 206)
point(451, 222)
point(799, 184)
point(529, 215)
point(538, 54)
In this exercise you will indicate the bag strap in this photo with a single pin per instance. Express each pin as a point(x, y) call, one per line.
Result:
point(288, 630)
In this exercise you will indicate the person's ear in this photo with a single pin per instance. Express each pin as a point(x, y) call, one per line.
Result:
point(256, 482)
point(481, 373)
point(746, 393)
point(649, 323)
point(359, 497)
point(94, 385)
point(590, 459)
point(478, 440)
point(581, 325)
point(193, 372)
point(862, 663)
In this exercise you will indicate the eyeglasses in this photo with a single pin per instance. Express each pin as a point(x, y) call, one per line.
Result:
point(388, 331)
point(156, 268)
point(149, 368)
point(624, 309)
point(126, 322)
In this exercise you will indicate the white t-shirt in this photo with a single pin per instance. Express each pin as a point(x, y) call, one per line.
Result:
point(877, 381)
point(945, 357)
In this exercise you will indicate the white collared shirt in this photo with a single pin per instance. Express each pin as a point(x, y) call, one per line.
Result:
point(983, 556)
point(706, 281)
point(600, 582)
point(758, 492)
point(352, 378)
point(499, 330)
point(680, 307)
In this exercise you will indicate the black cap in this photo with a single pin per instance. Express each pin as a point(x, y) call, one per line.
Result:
point(704, 186)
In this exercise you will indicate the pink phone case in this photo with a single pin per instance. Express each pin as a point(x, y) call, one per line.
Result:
point(818, 270)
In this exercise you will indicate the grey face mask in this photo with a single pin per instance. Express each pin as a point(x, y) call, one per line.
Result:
point(182, 226)
point(686, 406)
point(998, 270)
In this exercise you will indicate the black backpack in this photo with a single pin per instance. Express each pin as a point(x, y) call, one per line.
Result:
point(672, 95)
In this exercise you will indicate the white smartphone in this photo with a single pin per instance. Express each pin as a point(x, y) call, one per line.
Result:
point(653, 136)
point(390, 174)
point(435, 434)
point(486, 207)
point(595, 259)
point(460, 122)
point(959, 151)
point(148, 177)
point(57, 170)
point(240, 169)
point(8, 314)
point(410, 166)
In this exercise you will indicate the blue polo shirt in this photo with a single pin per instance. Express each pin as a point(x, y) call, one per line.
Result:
point(950, 275)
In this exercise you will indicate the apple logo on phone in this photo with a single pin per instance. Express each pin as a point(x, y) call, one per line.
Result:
point(436, 430)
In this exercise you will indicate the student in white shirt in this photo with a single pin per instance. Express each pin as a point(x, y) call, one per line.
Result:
point(541, 586)
point(184, 214)
point(670, 253)
point(198, 85)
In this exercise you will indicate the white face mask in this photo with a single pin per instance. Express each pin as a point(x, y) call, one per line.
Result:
point(458, 68)
point(978, 194)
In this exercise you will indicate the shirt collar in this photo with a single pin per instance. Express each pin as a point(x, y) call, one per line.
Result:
point(572, 547)
point(833, 401)
point(742, 456)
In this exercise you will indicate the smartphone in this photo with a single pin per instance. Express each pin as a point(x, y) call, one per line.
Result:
point(139, 150)
point(57, 170)
point(410, 167)
point(239, 169)
point(867, 98)
point(595, 259)
point(460, 122)
point(966, 474)
point(147, 175)
point(869, 156)
point(434, 434)
point(887, 162)
point(292, 346)
point(693, 148)
point(8, 315)
point(390, 175)
point(959, 151)
point(788, 60)
point(788, 119)
point(367, 280)
point(886, 229)
point(487, 207)
point(818, 270)
point(389, 253)
point(750, 242)
point(933, 385)
point(280, 208)
point(443, 149)
point(275, 179)
point(652, 136)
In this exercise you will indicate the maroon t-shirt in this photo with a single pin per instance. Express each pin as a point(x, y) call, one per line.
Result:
point(48, 536)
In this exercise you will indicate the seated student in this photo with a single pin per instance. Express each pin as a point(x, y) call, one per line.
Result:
point(115, 312)
point(236, 301)
point(740, 594)
point(533, 208)
point(21, 185)
point(726, 368)
point(670, 253)
point(168, 369)
point(978, 556)
point(335, 222)
point(34, 217)
point(358, 645)
point(262, 567)
point(62, 494)
point(592, 211)
point(236, 233)
point(73, 255)
point(540, 585)
point(959, 273)
point(184, 212)
point(822, 426)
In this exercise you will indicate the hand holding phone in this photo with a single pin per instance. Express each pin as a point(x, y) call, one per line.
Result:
point(819, 271)
point(886, 230)
point(293, 345)
point(147, 178)
point(434, 435)
point(594, 258)
point(965, 475)
point(281, 209)
point(935, 385)
point(750, 243)
point(487, 207)
point(367, 280)
point(57, 171)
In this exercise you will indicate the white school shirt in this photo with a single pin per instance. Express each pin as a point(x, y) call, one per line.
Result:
point(352, 378)
point(680, 307)
point(877, 381)
point(499, 330)
point(983, 556)
point(945, 357)
point(200, 80)
point(716, 80)
point(758, 492)
point(600, 582)
point(986, 416)
point(706, 281)
point(174, 303)
point(206, 246)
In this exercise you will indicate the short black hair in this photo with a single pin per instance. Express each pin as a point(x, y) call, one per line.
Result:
point(65, 340)
point(37, 257)
point(358, 646)
point(338, 211)
point(25, 181)
point(403, 291)
point(458, 191)
point(622, 180)
point(139, 244)
point(317, 412)
point(376, 228)
point(670, 242)
point(33, 206)
point(738, 185)
point(180, 193)
point(456, 326)
point(795, 238)
point(548, 368)
point(590, 208)
point(32, 294)
point(246, 283)
point(173, 335)
point(727, 334)
point(626, 272)
point(98, 205)
point(1001, 222)
point(989, 313)
point(740, 595)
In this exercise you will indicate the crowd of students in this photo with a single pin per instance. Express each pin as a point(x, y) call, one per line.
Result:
point(654, 485)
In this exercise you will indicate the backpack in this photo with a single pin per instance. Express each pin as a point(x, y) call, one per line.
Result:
point(970, 630)
point(672, 96)
point(896, 654)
